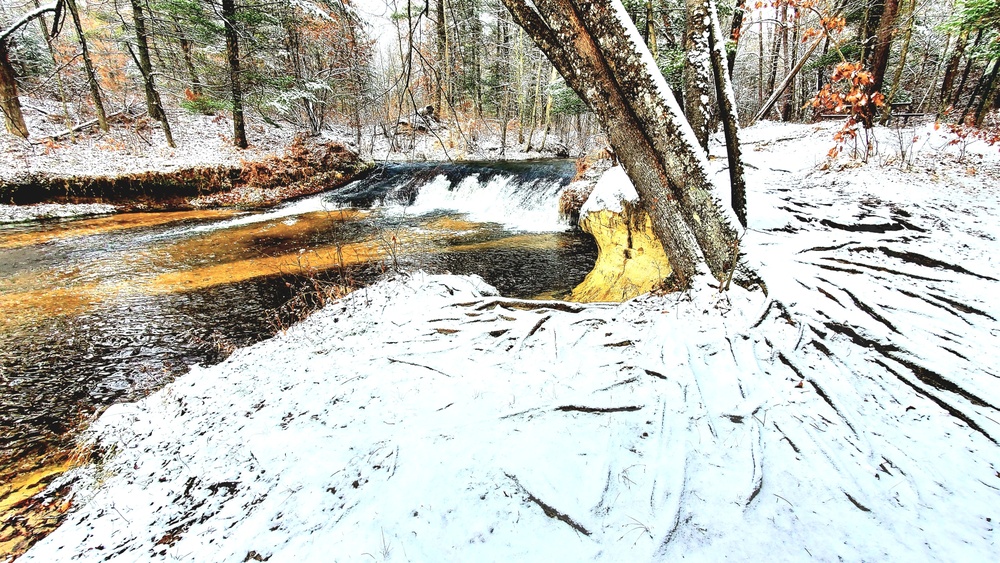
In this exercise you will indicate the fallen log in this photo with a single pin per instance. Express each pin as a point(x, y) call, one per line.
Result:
point(80, 127)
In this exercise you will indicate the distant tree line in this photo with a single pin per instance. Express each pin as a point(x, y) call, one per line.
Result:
point(313, 64)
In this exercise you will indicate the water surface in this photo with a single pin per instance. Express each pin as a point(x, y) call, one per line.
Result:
point(108, 309)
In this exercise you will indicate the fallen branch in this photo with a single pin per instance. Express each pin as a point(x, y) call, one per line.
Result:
point(527, 305)
point(549, 511)
point(599, 410)
point(77, 128)
point(537, 326)
point(26, 18)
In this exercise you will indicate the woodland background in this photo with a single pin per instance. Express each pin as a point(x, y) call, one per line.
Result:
point(368, 66)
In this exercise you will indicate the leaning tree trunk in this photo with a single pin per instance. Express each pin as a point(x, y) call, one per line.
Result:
point(989, 96)
point(956, 94)
point(153, 105)
point(727, 111)
point(951, 70)
point(697, 71)
point(88, 65)
point(773, 98)
point(735, 32)
point(597, 49)
point(233, 58)
point(10, 103)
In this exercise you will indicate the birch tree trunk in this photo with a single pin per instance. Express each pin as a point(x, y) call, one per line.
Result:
point(599, 52)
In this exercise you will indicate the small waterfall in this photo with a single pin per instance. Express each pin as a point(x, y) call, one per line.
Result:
point(520, 196)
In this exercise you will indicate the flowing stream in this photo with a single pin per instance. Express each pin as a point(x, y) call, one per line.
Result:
point(101, 310)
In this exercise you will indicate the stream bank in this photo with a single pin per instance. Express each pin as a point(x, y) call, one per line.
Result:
point(307, 166)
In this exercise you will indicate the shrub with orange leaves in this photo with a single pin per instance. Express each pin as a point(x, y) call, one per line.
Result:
point(849, 93)
point(965, 134)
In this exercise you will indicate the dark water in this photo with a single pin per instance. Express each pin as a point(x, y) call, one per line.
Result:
point(99, 311)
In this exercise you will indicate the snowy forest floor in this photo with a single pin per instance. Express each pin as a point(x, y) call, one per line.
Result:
point(850, 414)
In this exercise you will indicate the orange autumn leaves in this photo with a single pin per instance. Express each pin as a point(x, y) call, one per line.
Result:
point(849, 92)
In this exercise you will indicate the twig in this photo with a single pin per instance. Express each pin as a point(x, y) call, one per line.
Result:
point(394, 360)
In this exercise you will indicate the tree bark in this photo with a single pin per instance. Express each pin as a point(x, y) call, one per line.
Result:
point(727, 111)
point(772, 76)
point(45, 31)
point(903, 52)
point(956, 94)
point(760, 59)
point(600, 54)
point(989, 97)
point(441, 43)
point(952, 69)
point(153, 105)
point(88, 65)
point(785, 83)
point(735, 31)
point(10, 103)
point(233, 58)
point(650, 29)
point(883, 43)
point(188, 59)
point(786, 57)
point(697, 71)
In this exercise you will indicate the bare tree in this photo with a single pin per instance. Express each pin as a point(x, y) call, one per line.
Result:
point(153, 105)
point(233, 59)
point(88, 66)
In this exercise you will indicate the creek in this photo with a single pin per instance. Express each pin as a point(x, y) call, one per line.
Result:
point(102, 310)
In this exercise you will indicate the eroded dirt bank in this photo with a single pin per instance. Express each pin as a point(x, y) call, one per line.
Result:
point(306, 167)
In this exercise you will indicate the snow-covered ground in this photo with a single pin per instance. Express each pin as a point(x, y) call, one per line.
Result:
point(138, 145)
point(850, 414)
point(24, 213)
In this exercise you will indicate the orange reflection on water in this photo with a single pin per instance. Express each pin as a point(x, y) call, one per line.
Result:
point(538, 241)
point(295, 263)
point(27, 307)
point(109, 224)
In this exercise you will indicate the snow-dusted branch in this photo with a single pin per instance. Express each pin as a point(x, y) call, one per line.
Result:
point(26, 18)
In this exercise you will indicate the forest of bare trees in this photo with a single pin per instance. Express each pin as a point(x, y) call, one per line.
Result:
point(313, 64)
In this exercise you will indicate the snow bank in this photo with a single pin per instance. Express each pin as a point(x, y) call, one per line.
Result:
point(613, 189)
point(23, 213)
